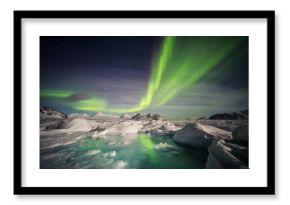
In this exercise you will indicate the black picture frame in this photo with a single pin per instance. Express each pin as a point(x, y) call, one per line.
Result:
point(269, 189)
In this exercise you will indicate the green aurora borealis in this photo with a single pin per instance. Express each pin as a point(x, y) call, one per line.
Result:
point(180, 63)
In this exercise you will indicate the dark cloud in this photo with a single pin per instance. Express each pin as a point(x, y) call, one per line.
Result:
point(78, 96)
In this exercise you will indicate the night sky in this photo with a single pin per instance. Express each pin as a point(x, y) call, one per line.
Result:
point(178, 77)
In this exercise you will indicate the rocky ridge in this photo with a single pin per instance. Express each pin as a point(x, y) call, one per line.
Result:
point(50, 113)
point(241, 115)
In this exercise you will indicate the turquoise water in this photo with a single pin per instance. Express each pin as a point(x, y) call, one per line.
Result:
point(143, 152)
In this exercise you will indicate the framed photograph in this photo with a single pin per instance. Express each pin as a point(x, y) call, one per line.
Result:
point(144, 102)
